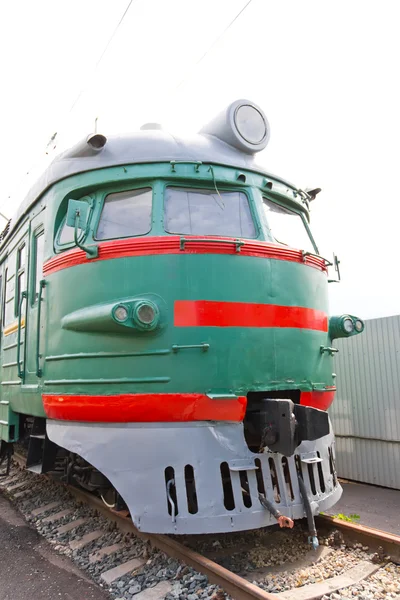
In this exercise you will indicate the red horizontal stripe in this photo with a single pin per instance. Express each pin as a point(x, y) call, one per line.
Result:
point(146, 246)
point(143, 408)
point(205, 313)
point(321, 400)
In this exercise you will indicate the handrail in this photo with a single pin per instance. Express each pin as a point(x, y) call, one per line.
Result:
point(42, 285)
point(304, 255)
point(238, 243)
point(20, 371)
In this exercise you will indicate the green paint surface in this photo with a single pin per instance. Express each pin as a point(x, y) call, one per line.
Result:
point(238, 359)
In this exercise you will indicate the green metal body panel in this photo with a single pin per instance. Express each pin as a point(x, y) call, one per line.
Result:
point(238, 359)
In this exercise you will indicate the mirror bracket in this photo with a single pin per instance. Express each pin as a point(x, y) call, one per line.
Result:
point(77, 217)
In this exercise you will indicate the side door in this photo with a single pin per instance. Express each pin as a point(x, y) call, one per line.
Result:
point(35, 304)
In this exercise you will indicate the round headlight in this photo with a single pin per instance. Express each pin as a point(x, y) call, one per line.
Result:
point(250, 123)
point(242, 125)
point(121, 313)
point(359, 325)
point(146, 315)
point(348, 325)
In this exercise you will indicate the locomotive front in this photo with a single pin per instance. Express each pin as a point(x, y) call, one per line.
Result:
point(189, 351)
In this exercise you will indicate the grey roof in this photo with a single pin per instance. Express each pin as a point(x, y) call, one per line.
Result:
point(144, 146)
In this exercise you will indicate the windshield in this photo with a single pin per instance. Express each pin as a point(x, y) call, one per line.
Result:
point(206, 212)
point(126, 214)
point(287, 227)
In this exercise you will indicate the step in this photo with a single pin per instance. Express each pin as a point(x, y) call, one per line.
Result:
point(35, 469)
point(123, 569)
point(106, 551)
point(70, 526)
point(314, 591)
point(57, 516)
point(42, 509)
point(86, 539)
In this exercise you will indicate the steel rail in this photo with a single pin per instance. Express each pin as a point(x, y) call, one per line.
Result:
point(355, 532)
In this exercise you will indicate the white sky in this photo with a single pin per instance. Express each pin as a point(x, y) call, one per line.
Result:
point(326, 74)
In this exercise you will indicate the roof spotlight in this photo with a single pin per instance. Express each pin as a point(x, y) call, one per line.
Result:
point(97, 141)
point(242, 125)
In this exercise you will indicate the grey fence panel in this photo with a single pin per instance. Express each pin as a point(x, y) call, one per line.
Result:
point(366, 410)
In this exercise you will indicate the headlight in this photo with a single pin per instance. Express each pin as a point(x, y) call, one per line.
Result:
point(146, 315)
point(250, 124)
point(120, 313)
point(359, 325)
point(242, 125)
point(348, 325)
point(344, 326)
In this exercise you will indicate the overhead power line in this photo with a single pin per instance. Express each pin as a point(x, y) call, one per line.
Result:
point(104, 51)
point(215, 42)
point(52, 140)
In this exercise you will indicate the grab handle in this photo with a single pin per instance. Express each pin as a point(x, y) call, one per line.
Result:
point(238, 243)
point(42, 285)
point(20, 370)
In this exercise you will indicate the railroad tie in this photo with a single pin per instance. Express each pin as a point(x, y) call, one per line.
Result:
point(57, 516)
point(106, 551)
point(16, 486)
point(9, 480)
point(42, 509)
point(70, 526)
point(86, 539)
point(158, 592)
point(313, 591)
point(122, 569)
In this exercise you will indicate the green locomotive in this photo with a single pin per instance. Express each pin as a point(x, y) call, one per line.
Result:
point(165, 338)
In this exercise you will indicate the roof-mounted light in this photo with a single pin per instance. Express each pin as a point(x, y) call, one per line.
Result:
point(96, 141)
point(242, 125)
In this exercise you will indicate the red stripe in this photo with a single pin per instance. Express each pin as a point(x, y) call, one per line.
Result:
point(321, 400)
point(147, 246)
point(205, 313)
point(143, 408)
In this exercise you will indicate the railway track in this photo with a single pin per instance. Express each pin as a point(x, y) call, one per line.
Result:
point(209, 561)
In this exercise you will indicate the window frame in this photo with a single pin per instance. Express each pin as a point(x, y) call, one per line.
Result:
point(211, 188)
point(58, 247)
point(130, 188)
point(291, 209)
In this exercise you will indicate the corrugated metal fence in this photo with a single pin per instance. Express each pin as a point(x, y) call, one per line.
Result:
point(366, 410)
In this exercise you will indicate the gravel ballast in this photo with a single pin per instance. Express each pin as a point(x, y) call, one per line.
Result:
point(264, 558)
